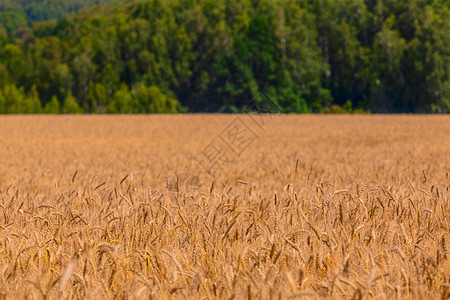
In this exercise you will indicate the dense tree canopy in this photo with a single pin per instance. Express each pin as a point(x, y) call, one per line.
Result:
point(220, 55)
point(16, 13)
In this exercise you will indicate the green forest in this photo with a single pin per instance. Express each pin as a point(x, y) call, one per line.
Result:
point(22, 13)
point(169, 56)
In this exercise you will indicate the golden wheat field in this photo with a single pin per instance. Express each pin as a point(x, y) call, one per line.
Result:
point(294, 207)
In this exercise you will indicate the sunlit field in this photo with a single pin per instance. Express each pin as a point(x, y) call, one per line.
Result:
point(225, 206)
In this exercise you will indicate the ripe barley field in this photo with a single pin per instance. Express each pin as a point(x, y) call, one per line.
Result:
point(294, 207)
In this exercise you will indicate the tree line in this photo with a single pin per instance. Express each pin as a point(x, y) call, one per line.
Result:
point(220, 55)
point(15, 14)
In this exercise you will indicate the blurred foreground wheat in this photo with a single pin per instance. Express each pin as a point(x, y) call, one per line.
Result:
point(353, 207)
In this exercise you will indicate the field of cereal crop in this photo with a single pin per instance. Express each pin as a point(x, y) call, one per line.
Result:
point(225, 206)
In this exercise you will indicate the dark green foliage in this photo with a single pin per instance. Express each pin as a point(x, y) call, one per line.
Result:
point(205, 55)
point(16, 13)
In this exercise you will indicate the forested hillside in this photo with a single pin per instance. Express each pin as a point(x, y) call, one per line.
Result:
point(218, 55)
point(15, 14)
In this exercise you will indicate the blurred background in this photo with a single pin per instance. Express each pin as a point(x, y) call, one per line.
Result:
point(169, 56)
